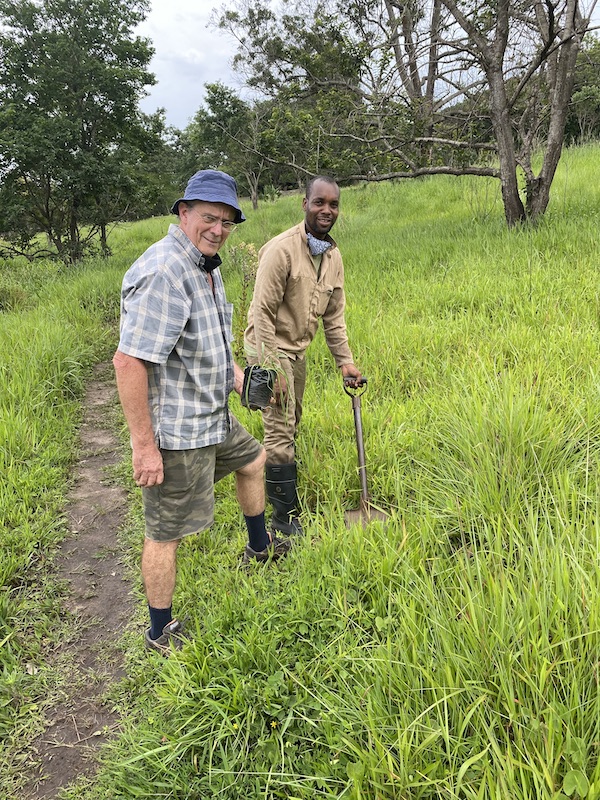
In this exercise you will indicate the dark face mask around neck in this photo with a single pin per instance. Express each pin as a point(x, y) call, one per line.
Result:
point(210, 263)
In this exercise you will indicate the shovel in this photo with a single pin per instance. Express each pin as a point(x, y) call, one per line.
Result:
point(367, 512)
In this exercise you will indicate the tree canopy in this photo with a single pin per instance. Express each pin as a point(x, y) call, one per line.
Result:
point(72, 139)
point(402, 89)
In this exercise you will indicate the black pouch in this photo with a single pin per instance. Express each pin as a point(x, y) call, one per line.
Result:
point(257, 388)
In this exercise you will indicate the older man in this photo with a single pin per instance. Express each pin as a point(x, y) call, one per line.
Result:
point(175, 371)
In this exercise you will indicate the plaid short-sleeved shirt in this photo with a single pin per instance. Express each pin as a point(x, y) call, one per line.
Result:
point(170, 319)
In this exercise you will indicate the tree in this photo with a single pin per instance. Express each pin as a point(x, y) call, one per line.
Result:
point(445, 86)
point(583, 123)
point(227, 134)
point(71, 135)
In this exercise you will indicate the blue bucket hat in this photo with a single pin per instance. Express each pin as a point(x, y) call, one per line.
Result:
point(212, 186)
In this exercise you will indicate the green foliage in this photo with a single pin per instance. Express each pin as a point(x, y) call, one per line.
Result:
point(451, 654)
point(383, 90)
point(211, 136)
point(232, 135)
point(243, 260)
point(72, 141)
point(583, 123)
point(65, 325)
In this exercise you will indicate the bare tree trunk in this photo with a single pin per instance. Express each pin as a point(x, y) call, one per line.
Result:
point(432, 70)
point(252, 179)
point(405, 65)
point(561, 78)
point(103, 241)
point(493, 62)
point(514, 211)
point(74, 247)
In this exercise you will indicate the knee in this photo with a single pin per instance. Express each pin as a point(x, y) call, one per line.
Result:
point(257, 466)
point(157, 550)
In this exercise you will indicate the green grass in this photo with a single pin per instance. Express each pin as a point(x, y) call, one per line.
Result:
point(452, 654)
point(48, 349)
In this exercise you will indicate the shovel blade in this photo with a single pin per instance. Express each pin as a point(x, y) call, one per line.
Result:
point(364, 515)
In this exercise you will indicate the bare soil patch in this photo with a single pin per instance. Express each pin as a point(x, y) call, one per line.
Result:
point(100, 599)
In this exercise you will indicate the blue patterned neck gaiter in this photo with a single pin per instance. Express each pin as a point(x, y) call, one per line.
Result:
point(317, 246)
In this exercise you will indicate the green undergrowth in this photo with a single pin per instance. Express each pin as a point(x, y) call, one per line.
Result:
point(48, 351)
point(452, 653)
point(402, 667)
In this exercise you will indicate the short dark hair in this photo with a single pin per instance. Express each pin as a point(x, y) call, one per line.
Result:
point(312, 181)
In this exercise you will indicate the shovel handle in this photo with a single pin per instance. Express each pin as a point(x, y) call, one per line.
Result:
point(355, 391)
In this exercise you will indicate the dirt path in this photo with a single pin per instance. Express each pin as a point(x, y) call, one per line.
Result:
point(99, 597)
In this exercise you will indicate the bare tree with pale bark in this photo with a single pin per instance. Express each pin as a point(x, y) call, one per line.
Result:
point(427, 86)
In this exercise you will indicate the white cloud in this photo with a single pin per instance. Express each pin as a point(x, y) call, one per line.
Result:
point(188, 54)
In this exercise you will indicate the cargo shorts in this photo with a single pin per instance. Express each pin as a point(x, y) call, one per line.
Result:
point(184, 502)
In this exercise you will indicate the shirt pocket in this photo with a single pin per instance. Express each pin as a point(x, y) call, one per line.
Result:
point(322, 297)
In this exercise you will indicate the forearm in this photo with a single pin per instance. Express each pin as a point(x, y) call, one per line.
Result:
point(269, 291)
point(336, 336)
point(132, 383)
point(266, 340)
point(238, 378)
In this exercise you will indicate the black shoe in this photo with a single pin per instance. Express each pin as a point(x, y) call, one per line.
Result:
point(171, 638)
point(277, 548)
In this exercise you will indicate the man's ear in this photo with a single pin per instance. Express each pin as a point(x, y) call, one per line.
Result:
point(184, 212)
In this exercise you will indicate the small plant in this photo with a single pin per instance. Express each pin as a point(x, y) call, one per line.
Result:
point(244, 259)
point(271, 193)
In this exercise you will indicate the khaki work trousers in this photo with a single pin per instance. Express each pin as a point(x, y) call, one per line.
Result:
point(281, 421)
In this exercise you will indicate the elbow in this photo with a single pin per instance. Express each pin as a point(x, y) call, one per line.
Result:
point(119, 361)
point(123, 363)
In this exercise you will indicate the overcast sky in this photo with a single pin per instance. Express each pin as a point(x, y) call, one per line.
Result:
point(188, 54)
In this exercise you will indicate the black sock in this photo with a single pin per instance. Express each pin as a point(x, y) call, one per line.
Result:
point(258, 538)
point(159, 617)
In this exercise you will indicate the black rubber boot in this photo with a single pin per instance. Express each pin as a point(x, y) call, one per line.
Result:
point(281, 491)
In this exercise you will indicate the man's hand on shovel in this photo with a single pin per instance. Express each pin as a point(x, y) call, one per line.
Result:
point(352, 376)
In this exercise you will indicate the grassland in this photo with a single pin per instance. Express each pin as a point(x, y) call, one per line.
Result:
point(453, 653)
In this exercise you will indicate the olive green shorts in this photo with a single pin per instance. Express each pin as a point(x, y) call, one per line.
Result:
point(184, 502)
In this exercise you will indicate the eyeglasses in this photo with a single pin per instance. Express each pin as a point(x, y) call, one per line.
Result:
point(209, 219)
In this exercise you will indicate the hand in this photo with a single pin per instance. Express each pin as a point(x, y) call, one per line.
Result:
point(280, 388)
point(352, 376)
point(147, 466)
point(238, 378)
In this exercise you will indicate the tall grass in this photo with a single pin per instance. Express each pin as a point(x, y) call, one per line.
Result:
point(65, 325)
point(454, 652)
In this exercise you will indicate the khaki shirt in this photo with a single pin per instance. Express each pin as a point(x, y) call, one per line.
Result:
point(290, 295)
